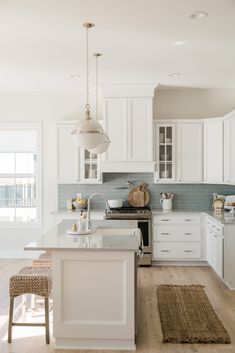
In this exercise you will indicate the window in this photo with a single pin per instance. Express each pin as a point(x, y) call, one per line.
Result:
point(20, 174)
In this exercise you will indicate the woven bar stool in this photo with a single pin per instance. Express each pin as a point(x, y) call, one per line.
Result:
point(31, 280)
point(44, 260)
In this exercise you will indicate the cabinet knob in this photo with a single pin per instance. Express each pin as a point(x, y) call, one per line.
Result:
point(165, 250)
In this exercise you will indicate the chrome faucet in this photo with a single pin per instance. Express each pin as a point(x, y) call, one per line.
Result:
point(89, 207)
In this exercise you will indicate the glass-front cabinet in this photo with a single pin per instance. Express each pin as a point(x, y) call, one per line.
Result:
point(89, 167)
point(164, 170)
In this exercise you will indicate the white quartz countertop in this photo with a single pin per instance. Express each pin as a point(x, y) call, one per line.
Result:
point(106, 235)
point(224, 217)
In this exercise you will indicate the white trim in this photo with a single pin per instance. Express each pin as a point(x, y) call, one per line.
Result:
point(38, 127)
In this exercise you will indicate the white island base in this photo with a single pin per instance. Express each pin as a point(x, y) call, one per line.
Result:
point(94, 299)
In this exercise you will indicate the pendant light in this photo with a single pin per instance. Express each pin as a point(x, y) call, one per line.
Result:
point(103, 146)
point(88, 133)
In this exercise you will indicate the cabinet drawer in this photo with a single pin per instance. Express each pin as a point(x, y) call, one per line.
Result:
point(177, 232)
point(215, 227)
point(174, 250)
point(174, 219)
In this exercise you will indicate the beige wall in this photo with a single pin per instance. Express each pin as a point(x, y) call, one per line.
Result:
point(188, 103)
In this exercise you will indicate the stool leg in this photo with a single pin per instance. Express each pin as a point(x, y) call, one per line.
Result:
point(47, 320)
point(11, 310)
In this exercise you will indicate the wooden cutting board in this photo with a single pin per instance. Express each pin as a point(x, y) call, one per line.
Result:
point(138, 196)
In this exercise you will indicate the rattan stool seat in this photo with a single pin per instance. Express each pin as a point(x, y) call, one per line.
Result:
point(32, 280)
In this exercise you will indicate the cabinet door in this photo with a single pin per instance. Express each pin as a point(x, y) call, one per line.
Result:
point(214, 252)
point(232, 150)
point(140, 129)
point(115, 122)
point(227, 151)
point(209, 246)
point(68, 155)
point(220, 257)
point(213, 151)
point(165, 153)
point(189, 152)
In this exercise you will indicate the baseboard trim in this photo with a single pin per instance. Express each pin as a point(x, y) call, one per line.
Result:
point(179, 263)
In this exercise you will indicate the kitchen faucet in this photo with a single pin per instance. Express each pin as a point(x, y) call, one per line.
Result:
point(89, 207)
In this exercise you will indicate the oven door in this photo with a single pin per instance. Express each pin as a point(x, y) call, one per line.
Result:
point(145, 226)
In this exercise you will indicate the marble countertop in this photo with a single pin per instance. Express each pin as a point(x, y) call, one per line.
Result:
point(224, 217)
point(107, 235)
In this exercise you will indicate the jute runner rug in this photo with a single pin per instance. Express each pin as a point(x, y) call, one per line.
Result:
point(188, 317)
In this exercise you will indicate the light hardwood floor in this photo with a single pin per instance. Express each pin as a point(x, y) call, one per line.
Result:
point(149, 329)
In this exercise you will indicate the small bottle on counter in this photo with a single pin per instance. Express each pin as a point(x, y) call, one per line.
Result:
point(69, 204)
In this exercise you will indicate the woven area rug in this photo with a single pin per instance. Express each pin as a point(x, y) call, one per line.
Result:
point(188, 317)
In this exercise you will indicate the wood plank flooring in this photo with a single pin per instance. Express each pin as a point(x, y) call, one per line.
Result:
point(149, 328)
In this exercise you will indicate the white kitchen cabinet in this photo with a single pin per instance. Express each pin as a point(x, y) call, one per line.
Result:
point(213, 151)
point(75, 165)
point(164, 168)
point(215, 247)
point(229, 255)
point(177, 237)
point(189, 152)
point(229, 150)
point(128, 123)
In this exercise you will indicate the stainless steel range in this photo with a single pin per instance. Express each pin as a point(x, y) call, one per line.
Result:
point(143, 216)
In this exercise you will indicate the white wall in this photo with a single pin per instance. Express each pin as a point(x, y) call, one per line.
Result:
point(47, 108)
point(189, 103)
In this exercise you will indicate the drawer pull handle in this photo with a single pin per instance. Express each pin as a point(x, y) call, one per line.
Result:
point(165, 220)
point(218, 229)
point(188, 250)
point(188, 220)
point(215, 236)
point(187, 233)
point(165, 250)
point(165, 233)
point(213, 226)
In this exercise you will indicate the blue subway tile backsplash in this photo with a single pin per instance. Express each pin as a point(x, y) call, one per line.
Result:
point(195, 197)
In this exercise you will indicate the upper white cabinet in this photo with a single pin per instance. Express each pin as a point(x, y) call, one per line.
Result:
point(164, 168)
point(128, 121)
point(213, 151)
point(75, 165)
point(189, 147)
point(229, 150)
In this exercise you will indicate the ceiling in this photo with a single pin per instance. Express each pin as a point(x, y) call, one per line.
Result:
point(42, 43)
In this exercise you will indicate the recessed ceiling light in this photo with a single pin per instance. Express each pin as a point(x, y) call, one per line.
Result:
point(180, 42)
point(198, 15)
point(174, 74)
point(74, 76)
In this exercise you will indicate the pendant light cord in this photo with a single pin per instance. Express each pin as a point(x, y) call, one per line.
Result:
point(87, 69)
point(96, 86)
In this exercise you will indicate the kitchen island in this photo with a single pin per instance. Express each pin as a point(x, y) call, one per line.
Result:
point(94, 285)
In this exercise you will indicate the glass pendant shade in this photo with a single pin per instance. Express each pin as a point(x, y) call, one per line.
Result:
point(88, 133)
point(103, 146)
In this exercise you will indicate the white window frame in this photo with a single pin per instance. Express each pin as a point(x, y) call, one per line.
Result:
point(37, 126)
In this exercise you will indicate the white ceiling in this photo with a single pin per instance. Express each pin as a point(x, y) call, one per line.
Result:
point(42, 42)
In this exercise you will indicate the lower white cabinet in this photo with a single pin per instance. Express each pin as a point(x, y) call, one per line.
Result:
point(215, 246)
point(177, 237)
point(229, 255)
